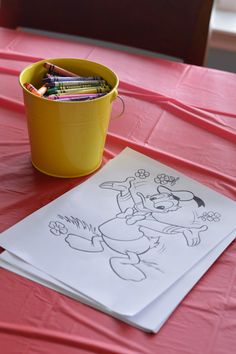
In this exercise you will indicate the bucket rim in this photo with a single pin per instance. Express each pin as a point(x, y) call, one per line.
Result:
point(113, 91)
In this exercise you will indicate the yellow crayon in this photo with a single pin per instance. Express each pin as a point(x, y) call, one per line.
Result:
point(97, 89)
point(68, 87)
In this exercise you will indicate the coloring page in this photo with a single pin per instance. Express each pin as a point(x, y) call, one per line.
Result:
point(128, 233)
point(154, 315)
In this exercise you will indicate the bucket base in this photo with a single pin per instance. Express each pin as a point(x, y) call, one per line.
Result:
point(62, 176)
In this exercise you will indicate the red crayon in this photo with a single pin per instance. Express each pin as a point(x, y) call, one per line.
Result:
point(57, 70)
point(32, 89)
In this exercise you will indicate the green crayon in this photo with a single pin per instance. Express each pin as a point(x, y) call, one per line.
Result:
point(66, 87)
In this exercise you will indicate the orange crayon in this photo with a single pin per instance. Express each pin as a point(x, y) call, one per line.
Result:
point(32, 89)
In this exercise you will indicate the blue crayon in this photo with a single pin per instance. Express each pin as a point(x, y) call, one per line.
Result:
point(51, 78)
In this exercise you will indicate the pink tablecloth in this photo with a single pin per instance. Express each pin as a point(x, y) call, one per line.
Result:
point(181, 115)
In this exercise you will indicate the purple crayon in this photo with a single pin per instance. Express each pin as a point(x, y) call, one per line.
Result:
point(81, 95)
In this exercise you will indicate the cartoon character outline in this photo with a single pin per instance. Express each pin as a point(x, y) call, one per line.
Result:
point(137, 228)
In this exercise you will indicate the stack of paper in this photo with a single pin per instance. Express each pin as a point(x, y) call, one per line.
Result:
point(130, 241)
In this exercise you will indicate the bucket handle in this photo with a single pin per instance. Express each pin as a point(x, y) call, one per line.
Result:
point(123, 107)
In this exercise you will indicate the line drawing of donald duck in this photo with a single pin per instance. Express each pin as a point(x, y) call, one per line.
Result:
point(142, 221)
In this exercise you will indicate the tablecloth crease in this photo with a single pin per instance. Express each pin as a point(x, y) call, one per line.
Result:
point(181, 115)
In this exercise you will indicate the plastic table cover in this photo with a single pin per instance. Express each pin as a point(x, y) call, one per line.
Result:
point(183, 116)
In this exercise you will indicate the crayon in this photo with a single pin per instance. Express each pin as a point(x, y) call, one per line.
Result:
point(77, 83)
point(48, 77)
point(63, 99)
point(32, 89)
point(74, 99)
point(57, 70)
point(66, 87)
point(42, 90)
point(98, 89)
point(51, 78)
point(91, 95)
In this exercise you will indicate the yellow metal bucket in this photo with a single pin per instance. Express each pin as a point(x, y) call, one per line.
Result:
point(67, 138)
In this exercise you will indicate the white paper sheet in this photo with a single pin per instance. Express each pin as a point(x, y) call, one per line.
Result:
point(153, 316)
point(129, 232)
